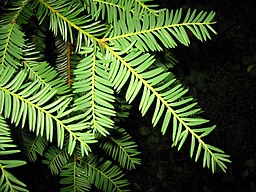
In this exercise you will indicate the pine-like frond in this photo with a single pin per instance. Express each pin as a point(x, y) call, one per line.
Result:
point(6, 143)
point(33, 146)
point(8, 182)
point(62, 61)
point(11, 43)
point(166, 60)
point(75, 177)
point(122, 109)
point(167, 93)
point(121, 148)
point(67, 14)
point(11, 36)
point(42, 72)
point(114, 58)
point(22, 100)
point(95, 92)
point(56, 159)
point(39, 37)
point(152, 32)
point(113, 10)
point(66, 60)
point(25, 11)
point(104, 175)
point(19, 11)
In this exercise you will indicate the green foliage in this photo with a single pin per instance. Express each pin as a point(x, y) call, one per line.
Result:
point(8, 182)
point(69, 110)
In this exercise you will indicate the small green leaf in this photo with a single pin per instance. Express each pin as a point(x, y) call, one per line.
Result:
point(198, 151)
point(192, 146)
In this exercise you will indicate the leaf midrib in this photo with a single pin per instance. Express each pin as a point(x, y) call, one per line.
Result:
point(11, 30)
point(103, 174)
point(45, 112)
point(156, 29)
point(172, 111)
point(115, 54)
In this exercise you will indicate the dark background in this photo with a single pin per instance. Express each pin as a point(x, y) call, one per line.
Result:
point(221, 75)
